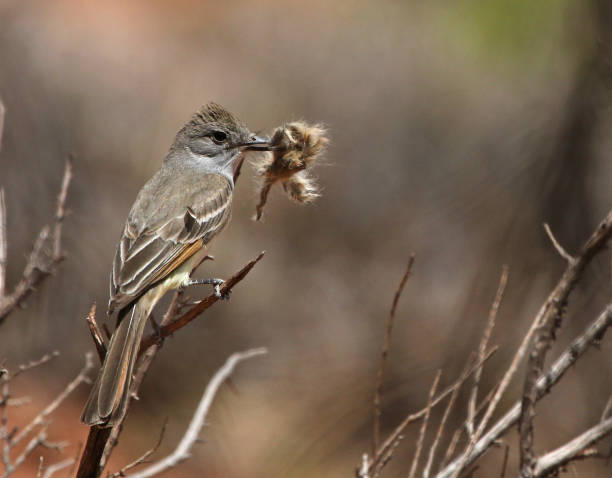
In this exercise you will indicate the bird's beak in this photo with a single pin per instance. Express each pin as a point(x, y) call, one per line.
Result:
point(257, 143)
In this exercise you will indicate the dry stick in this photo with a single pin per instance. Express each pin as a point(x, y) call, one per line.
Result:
point(555, 459)
point(101, 441)
point(39, 440)
point(384, 354)
point(447, 411)
point(144, 457)
point(591, 335)
point(183, 450)
point(95, 332)
point(424, 423)
point(396, 434)
point(41, 262)
point(35, 363)
point(59, 466)
point(549, 309)
point(197, 309)
point(40, 419)
point(547, 323)
point(503, 280)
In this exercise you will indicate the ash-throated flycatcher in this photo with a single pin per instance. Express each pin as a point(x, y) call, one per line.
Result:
point(176, 215)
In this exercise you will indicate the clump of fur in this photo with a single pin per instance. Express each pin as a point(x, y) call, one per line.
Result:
point(296, 147)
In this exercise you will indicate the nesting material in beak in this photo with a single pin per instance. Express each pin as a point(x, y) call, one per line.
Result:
point(295, 148)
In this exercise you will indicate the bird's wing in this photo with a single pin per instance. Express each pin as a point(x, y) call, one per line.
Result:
point(173, 217)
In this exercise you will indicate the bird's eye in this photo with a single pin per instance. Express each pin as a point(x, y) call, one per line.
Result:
point(219, 136)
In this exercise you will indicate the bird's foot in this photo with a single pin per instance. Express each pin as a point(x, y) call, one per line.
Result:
point(216, 283)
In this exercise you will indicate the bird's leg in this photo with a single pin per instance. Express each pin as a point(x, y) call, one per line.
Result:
point(216, 283)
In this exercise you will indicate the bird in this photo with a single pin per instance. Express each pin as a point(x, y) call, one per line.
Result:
point(167, 234)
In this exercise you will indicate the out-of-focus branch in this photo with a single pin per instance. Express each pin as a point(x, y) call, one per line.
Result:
point(546, 324)
point(143, 458)
point(385, 352)
point(423, 430)
point(41, 418)
point(3, 249)
point(59, 466)
point(383, 453)
point(183, 450)
point(591, 335)
point(45, 255)
point(503, 280)
point(575, 449)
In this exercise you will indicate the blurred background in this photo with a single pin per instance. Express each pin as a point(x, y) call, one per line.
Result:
point(458, 127)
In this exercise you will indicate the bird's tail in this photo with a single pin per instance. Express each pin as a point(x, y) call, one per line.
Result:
point(107, 402)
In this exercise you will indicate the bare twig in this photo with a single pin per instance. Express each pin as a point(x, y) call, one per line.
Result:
point(558, 247)
point(183, 450)
point(546, 324)
point(96, 334)
point(45, 255)
point(144, 457)
point(424, 423)
point(592, 334)
point(574, 449)
point(196, 310)
point(384, 354)
point(447, 411)
point(383, 451)
point(41, 418)
point(36, 363)
point(39, 440)
point(59, 466)
point(503, 280)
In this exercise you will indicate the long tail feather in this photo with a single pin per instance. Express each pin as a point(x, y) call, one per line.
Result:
point(107, 402)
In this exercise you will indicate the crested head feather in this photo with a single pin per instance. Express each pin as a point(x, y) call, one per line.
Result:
point(212, 113)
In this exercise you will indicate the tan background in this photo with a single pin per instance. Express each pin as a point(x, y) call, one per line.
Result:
point(457, 128)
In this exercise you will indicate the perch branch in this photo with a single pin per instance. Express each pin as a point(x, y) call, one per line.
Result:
point(199, 308)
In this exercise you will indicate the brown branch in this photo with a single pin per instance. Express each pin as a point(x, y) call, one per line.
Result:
point(554, 460)
point(384, 354)
point(96, 334)
point(503, 280)
point(35, 363)
point(101, 441)
point(559, 248)
point(41, 418)
point(591, 335)
point(198, 309)
point(384, 448)
point(547, 323)
point(446, 414)
point(424, 423)
point(144, 457)
point(45, 255)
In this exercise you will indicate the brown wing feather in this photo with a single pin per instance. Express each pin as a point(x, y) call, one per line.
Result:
point(161, 234)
